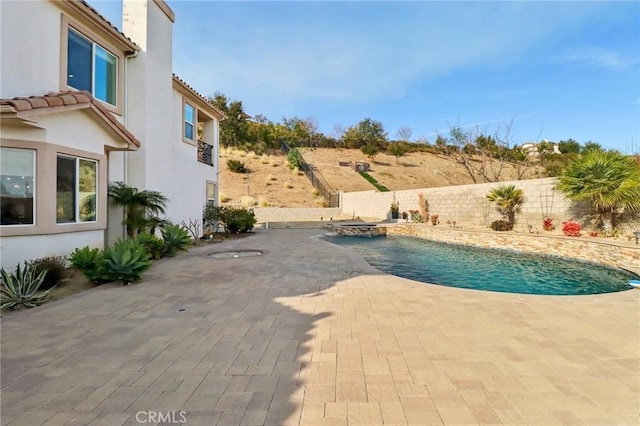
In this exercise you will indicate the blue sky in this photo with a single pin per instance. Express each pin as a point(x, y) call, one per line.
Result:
point(559, 69)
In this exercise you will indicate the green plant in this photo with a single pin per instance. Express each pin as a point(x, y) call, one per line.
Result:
point(236, 166)
point(138, 205)
point(22, 288)
point(175, 238)
point(294, 159)
point(125, 261)
point(415, 216)
point(154, 245)
point(239, 221)
point(501, 225)
point(508, 201)
point(54, 267)
point(89, 262)
point(374, 182)
point(395, 207)
point(609, 180)
point(571, 228)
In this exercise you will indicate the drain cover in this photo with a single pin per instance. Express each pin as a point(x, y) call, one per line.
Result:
point(235, 254)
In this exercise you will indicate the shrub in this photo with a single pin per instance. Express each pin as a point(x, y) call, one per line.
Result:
point(315, 192)
point(22, 288)
point(415, 216)
point(53, 266)
point(501, 225)
point(288, 185)
point(152, 244)
point(547, 224)
point(125, 261)
point(236, 166)
point(294, 159)
point(434, 219)
point(175, 238)
point(296, 172)
point(273, 163)
point(89, 262)
point(263, 202)
point(571, 228)
point(247, 201)
point(239, 220)
point(264, 159)
point(223, 198)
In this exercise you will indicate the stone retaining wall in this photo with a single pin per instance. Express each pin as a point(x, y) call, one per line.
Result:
point(607, 252)
point(468, 204)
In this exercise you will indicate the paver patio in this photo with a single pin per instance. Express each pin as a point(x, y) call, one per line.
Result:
point(309, 334)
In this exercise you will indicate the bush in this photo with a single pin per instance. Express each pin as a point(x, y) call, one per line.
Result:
point(53, 266)
point(571, 228)
point(152, 244)
point(547, 224)
point(125, 261)
point(236, 166)
point(89, 262)
point(22, 288)
point(434, 219)
point(239, 221)
point(175, 238)
point(294, 159)
point(501, 225)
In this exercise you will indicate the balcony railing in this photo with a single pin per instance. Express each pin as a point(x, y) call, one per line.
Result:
point(205, 153)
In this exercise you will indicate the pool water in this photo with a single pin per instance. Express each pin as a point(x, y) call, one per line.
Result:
point(486, 269)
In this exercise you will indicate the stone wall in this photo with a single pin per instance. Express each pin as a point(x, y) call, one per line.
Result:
point(618, 253)
point(467, 204)
point(302, 214)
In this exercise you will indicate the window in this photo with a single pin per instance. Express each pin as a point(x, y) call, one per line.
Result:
point(90, 67)
point(211, 194)
point(189, 119)
point(18, 185)
point(76, 190)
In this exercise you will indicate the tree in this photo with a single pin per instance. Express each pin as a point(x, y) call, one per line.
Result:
point(397, 149)
point(370, 151)
point(234, 130)
point(404, 134)
point(139, 206)
point(569, 147)
point(508, 201)
point(608, 180)
point(366, 132)
point(590, 146)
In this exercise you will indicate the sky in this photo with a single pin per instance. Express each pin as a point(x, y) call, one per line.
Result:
point(555, 70)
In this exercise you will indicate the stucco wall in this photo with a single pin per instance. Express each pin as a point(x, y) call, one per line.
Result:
point(310, 214)
point(467, 204)
point(619, 253)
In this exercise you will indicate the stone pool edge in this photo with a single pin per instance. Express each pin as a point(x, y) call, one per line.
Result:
point(606, 253)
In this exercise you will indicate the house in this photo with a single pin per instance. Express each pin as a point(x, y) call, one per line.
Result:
point(84, 104)
point(532, 149)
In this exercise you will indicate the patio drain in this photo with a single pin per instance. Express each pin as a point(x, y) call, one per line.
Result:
point(232, 254)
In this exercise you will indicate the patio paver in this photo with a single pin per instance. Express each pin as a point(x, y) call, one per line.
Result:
point(308, 333)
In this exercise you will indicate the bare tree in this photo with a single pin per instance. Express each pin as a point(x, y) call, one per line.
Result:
point(404, 134)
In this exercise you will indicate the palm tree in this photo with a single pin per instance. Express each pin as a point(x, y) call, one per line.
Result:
point(608, 180)
point(138, 205)
point(508, 200)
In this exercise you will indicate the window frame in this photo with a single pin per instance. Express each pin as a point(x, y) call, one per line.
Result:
point(77, 200)
point(95, 40)
point(194, 125)
point(34, 184)
point(211, 201)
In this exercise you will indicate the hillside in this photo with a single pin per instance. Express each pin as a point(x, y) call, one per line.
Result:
point(273, 183)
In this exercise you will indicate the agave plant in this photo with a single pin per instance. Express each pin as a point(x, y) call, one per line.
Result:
point(22, 288)
point(154, 245)
point(89, 261)
point(125, 261)
point(176, 238)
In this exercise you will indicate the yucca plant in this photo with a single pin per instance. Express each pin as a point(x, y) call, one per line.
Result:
point(175, 238)
point(154, 245)
point(125, 261)
point(22, 288)
point(89, 262)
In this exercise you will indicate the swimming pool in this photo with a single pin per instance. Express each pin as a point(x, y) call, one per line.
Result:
point(485, 269)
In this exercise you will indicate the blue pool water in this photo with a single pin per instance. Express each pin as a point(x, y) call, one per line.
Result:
point(485, 269)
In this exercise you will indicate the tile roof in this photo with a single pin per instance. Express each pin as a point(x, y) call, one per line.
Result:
point(198, 95)
point(102, 19)
point(34, 105)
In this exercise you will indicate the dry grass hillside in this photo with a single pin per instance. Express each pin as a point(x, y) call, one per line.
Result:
point(272, 183)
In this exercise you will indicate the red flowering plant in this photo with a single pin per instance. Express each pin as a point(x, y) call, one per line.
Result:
point(571, 228)
point(547, 224)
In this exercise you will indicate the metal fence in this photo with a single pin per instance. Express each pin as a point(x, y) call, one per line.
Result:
point(317, 180)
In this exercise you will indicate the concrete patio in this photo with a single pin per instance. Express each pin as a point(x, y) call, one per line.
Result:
point(309, 334)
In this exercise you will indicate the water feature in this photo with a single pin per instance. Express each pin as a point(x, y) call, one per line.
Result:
point(486, 269)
